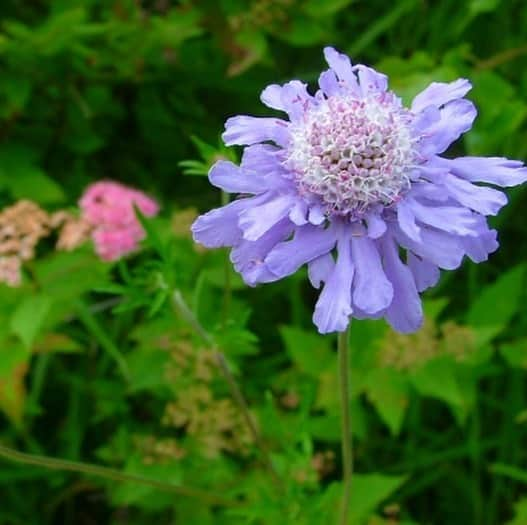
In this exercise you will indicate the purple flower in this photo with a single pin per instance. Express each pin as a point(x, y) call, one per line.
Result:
point(353, 185)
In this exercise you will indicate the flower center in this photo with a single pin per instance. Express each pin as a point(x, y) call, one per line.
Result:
point(353, 153)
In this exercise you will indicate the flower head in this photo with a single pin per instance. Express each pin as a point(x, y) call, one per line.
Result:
point(22, 226)
point(347, 184)
point(109, 208)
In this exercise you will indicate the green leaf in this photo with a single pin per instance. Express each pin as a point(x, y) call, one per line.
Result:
point(385, 20)
point(152, 236)
point(147, 368)
point(29, 317)
point(255, 47)
point(483, 6)
point(236, 341)
point(437, 379)
point(369, 491)
point(520, 513)
point(503, 115)
point(66, 275)
point(434, 307)
point(304, 31)
point(498, 303)
point(328, 395)
point(158, 301)
point(325, 428)
point(146, 497)
point(328, 7)
point(387, 390)
point(20, 174)
point(328, 428)
point(515, 353)
point(175, 27)
point(99, 334)
point(509, 471)
point(216, 275)
point(14, 94)
point(310, 352)
point(14, 363)
point(365, 338)
point(410, 76)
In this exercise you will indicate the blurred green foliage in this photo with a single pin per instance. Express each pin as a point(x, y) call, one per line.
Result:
point(95, 364)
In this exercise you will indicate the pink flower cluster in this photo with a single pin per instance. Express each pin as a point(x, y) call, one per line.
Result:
point(109, 208)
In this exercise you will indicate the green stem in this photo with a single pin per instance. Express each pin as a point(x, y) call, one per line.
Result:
point(191, 319)
point(474, 442)
point(107, 473)
point(223, 366)
point(508, 443)
point(37, 383)
point(90, 322)
point(347, 448)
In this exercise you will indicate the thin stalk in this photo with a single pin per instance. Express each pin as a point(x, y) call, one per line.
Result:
point(223, 366)
point(513, 402)
point(474, 442)
point(431, 458)
point(37, 383)
point(89, 320)
point(244, 409)
point(347, 447)
point(108, 473)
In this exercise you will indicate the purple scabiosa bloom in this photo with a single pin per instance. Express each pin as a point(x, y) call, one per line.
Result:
point(353, 184)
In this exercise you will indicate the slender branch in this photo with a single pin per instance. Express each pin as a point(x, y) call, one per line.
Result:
point(347, 447)
point(107, 473)
point(244, 409)
point(501, 58)
point(191, 319)
point(223, 366)
point(89, 320)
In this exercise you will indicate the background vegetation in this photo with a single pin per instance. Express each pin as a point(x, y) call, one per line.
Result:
point(97, 366)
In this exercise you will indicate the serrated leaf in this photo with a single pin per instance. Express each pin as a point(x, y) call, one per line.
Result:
point(310, 352)
point(147, 367)
point(437, 379)
point(65, 276)
point(387, 390)
point(369, 491)
point(499, 301)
